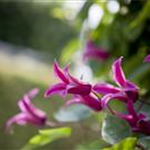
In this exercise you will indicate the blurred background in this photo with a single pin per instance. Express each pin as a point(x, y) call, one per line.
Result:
point(34, 33)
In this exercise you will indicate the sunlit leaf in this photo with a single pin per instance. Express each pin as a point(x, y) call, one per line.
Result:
point(47, 136)
point(69, 49)
point(127, 144)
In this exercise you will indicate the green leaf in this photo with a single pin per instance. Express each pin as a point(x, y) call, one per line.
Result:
point(127, 144)
point(47, 136)
point(96, 145)
point(73, 113)
point(145, 142)
point(69, 49)
point(143, 15)
point(114, 129)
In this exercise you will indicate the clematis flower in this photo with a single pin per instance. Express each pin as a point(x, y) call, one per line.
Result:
point(124, 86)
point(139, 122)
point(92, 52)
point(147, 58)
point(90, 101)
point(68, 84)
point(29, 113)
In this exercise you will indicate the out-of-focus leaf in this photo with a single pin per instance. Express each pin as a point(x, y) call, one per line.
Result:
point(145, 142)
point(84, 11)
point(73, 113)
point(47, 136)
point(127, 144)
point(96, 145)
point(114, 129)
point(69, 49)
point(143, 15)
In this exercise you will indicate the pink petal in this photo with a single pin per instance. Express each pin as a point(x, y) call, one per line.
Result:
point(83, 89)
point(119, 96)
point(93, 102)
point(105, 88)
point(29, 109)
point(19, 119)
point(132, 85)
point(147, 58)
point(74, 101)
point(33, 93)
point(118, 73)
point(56, 89)
point(60, 73)
point(88, 101)
point(92, 52)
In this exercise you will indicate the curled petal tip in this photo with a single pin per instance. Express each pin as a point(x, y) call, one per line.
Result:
point(33, 93)
point(118, 73)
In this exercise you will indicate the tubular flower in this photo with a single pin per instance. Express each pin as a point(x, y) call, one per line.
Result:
point(147, 58)
point(138, 122)
point(90, 101)
point(92, 52)
point(124, 86)
point(68, 84)
point(29, 113)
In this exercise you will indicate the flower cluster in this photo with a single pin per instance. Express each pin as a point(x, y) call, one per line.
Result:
point(95, 96)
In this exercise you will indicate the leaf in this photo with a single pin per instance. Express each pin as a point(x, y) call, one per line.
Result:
point(69, 49)
point(47, 136)
point(95, 145)
point(145, 142)
point(73, 113)
point(142, 16)
point(114, 129)
point(127, 144)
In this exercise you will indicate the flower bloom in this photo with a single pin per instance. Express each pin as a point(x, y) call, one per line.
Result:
point(29, 113)
point(138, 121)
point(68, 84)
point(90, 101)
point(147, 58)
point(92, 52)
point(124, 86)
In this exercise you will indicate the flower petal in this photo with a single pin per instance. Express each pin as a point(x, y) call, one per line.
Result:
point(118, 73)
point(119, 96)
point(18, 119)
point(31, 94)
point(93, 102)
point(88, 101)
point(147, 58)
point(60, 73)
point(105, 88)
point(82, 89)
point(29, 109)
point(92, 52)
point(56, 89)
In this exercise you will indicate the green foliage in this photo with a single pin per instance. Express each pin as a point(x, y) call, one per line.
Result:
point(127, 144)
point(114, 129)
point(47, 136)
point(96, 145)
point(145, 142)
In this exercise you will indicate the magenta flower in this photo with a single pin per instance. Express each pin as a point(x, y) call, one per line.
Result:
point(29, 113)
point(68, 84)
point(90, 101)
point(138, 121)
point(147, 58)
point(92, 52)
point(124, 86)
